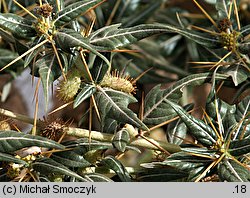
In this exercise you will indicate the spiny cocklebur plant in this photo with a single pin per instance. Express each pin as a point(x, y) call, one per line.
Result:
point(52, 43)
point(221, 148)
point(64, 43)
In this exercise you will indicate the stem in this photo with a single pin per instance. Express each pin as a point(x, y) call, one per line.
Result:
point(16, 116)
point(104, 137)
point(95, 135)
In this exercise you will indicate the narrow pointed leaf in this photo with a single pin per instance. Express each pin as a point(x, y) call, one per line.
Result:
point(10, 158)
point(82, 145)
point(239, 147)
point(177, 130)
point(69, 39)
point(118, 167)
point(70, 159)
point(73, 11)
point(11, 141)
point(28, 59)
point(48, 166)
point(112, 37)
point(95, 177)
point(245, 31)
point(18, 26)
point(201, 131)
point(85, 93)
point(242, 117)
point(204, 39)
point(157, 110)
point(238, 72)
point(6, 56)
point(161, 175)
point(114, 104)
point(181, 160)
point(49, 70)
point(231, 171)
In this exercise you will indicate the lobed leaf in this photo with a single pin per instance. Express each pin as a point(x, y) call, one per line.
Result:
point(112, 37)
point(157, 110)
point(114, 104)
point(200, 130)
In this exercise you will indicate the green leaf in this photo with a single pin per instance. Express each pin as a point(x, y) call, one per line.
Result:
point(9, 158)
point(11, 141)
point(204, 39)
point(70, 159)
point(161, 175)
point(86, 92)
point(157, 110)
point(69, 39)
point(184, 162)
point(121, 139)
point(238, 73)
point(48, 166)
point(242, 117)
point(6, 56)
point(239, 147)
point(200, 130)
point(95, 177)
point(231, 171)
point(18, 26)
point(114, 104)
point(177, 130)
point(82, 145)
point(245, 31)
point(73, 11)
point(244, 48)
point(118, 167)
point(34, 53)
point(49, 70)
point(112, 37)
point(100, 68)
point(109, 125)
